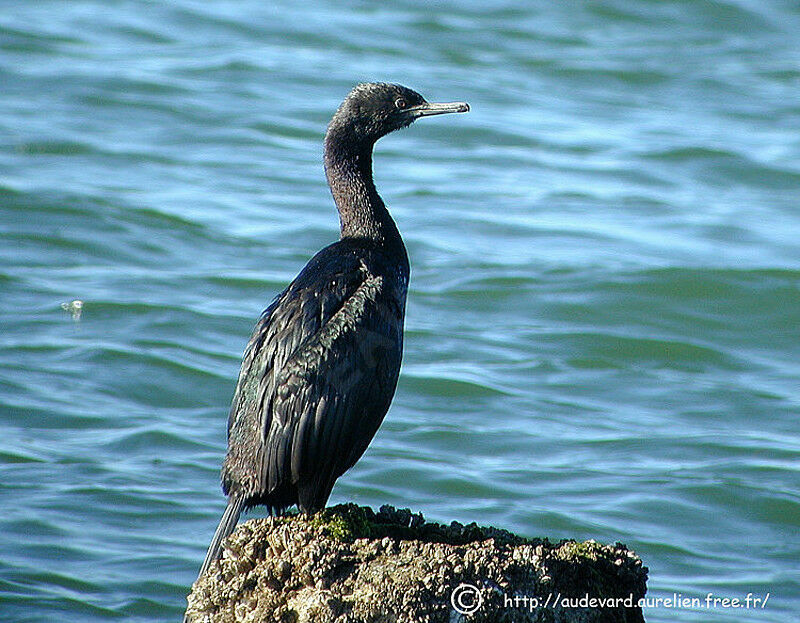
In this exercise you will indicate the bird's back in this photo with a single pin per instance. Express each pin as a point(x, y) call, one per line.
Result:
point(317, 377)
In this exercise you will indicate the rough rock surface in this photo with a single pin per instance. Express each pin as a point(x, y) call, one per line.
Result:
point(349, 564)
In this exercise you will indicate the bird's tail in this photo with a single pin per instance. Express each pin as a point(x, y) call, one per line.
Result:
point(225, 527)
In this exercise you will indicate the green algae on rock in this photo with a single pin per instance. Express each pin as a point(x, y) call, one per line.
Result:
point(349, 564)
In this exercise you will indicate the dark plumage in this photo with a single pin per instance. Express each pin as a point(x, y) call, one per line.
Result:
point(321, 368)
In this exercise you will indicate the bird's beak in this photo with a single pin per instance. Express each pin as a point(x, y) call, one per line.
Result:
point(428, 108)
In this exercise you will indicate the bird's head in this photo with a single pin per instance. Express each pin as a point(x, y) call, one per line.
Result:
point(373, 109)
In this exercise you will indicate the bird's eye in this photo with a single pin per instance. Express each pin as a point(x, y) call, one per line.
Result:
point(400, 103)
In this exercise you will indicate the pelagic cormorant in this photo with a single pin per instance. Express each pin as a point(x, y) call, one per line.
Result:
point(321, 368)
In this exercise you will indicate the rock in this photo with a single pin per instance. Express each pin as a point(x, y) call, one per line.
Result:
point(348, 564)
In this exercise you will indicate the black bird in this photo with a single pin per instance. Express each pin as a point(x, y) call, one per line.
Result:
point(321, 368)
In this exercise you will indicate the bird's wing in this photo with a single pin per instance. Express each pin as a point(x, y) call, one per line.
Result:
point(316, 381)
point(333, 393)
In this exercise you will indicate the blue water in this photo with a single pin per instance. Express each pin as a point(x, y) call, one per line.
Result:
point(603, 329)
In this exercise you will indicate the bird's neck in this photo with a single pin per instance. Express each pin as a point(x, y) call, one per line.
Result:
point(362, 213)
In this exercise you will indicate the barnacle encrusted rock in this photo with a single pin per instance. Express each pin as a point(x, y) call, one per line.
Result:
point(349, 564)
